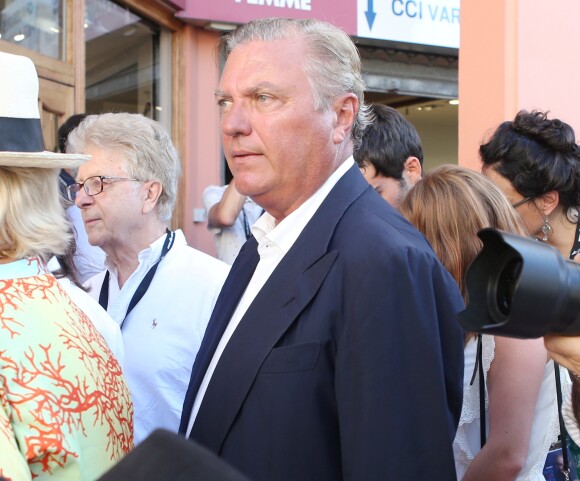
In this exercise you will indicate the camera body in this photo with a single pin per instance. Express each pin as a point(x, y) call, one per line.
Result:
point(520, 287)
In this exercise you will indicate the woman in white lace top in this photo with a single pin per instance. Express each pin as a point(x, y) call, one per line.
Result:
point(450, 205)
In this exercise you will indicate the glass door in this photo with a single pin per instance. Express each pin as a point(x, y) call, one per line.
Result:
point(122, 60)
point(47, 31)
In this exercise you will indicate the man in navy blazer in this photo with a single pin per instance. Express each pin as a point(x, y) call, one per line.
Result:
point(333, 352)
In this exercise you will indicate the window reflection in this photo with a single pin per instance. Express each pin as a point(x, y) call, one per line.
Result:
point(121, 60)
point(34, 24)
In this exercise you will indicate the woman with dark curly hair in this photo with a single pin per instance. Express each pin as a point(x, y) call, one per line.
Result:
point(535, 161)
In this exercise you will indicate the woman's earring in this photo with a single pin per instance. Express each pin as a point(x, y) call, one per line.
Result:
point(572, 214)
point(546, 229)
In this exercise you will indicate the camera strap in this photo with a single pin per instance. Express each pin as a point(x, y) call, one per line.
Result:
point(563, 433)
point(563, 436)
point(478, 369)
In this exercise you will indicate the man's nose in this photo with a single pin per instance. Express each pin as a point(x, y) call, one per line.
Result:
point(82, 199)
point(236, 120)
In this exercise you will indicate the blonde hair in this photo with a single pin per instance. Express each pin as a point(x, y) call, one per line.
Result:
point(449, 206)
point(32, 218)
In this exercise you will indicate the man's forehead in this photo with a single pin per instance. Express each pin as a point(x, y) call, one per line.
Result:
point(251, 89)
point(103, 162)
point(262, 57)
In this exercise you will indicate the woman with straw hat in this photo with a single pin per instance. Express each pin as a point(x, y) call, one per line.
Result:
point(65, 410)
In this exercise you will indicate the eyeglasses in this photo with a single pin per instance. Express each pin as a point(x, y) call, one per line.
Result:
point(93, 185)
point(521, 202)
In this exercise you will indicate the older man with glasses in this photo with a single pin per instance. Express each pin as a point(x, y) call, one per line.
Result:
point(157, 288)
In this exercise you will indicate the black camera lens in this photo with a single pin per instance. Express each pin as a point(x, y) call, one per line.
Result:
point(522, 288)
point(506, 285)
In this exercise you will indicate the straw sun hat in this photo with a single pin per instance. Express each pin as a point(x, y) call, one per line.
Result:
point(21, 143)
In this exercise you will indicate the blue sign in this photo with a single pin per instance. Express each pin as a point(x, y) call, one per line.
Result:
point(426, 22)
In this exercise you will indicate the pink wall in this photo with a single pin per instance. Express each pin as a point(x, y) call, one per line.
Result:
point(485, 85)
point(514, 55)
point(202, 146)
point(549, 60)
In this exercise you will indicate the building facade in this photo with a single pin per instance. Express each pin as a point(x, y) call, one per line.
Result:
point(159, 58)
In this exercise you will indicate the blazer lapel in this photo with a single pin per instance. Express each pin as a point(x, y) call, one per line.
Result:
point(267, 319)
point(289, 289)
point(230, 294)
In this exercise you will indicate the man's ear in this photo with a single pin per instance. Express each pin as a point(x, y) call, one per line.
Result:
point(152, 194)
point(414, 170)
point(548, 202)
point(346, 109)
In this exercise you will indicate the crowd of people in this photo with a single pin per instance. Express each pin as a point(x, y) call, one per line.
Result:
point(324, 343)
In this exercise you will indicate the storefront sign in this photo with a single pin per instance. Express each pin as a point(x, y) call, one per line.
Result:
point(428, 22)
point(297, 4)
point(339, 12)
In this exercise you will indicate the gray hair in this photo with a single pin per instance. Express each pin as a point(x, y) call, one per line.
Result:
point(333, 65)
point(146, 145)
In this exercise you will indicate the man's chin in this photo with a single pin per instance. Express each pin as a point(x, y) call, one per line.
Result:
point(94, 239)
point(248, 187)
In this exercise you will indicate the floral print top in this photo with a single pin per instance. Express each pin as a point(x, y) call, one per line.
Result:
point(65, 410)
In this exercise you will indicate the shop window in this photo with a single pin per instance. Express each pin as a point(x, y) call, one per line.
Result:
point(37, 25)
point(122, 60)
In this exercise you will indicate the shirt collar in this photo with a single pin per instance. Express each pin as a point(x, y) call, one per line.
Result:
point(150, 255)
point(284, 234)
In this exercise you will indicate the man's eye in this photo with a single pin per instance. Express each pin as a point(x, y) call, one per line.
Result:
point(224, 103)
point(262, 98)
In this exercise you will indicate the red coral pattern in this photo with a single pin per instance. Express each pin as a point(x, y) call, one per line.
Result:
point(66, 407)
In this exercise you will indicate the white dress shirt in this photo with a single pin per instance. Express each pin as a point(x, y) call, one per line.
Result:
point(274, 242)
point(163, 332)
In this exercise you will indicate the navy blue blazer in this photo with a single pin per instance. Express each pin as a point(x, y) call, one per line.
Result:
point(348, 365)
